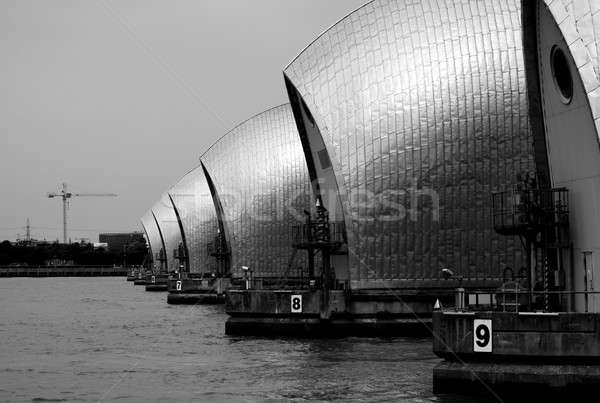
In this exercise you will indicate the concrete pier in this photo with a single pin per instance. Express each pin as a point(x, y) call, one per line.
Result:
point(132, 274)
point(501, 351)
point(188, 289)
point(140, 278)
point(302, 312)
point(157, 282)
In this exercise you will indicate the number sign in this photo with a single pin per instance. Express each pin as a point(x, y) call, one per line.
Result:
point(296, 303)
point(482, 335)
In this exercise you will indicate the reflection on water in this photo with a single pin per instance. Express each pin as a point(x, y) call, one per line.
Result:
point(102, 339)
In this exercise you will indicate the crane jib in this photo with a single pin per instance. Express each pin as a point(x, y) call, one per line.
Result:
point(68, 195)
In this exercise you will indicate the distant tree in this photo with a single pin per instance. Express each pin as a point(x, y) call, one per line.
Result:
point(79, 254)
point(5, 259)
point(5, 247)
point(36, 256)
point(136, 252)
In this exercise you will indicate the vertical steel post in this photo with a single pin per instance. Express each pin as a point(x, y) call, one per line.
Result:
point(64, 218)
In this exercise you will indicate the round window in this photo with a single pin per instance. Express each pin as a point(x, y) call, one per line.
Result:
point(562, 74)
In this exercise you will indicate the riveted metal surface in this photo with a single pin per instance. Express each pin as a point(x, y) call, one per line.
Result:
point(192, 198)
point(579, 22)
point(418, 100)
point(167, 220)
point(260, 177)
point(152, 235)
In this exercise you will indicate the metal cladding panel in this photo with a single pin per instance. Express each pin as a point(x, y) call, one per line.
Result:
point(153, 235)
point(194, 203)
point(167, 220)
point(260, 176)
point(579, 22)
point(418, 100)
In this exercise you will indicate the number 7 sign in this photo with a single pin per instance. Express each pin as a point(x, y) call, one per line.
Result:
point(482, 335)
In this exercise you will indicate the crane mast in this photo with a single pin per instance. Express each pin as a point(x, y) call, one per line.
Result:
point(65, 196)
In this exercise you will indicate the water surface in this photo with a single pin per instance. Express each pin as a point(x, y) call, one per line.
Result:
point(103, 339)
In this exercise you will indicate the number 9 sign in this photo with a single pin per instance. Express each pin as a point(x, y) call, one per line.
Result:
point(482, 335)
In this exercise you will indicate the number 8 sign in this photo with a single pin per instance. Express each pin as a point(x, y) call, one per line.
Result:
point(482, 335)
point(296, 303)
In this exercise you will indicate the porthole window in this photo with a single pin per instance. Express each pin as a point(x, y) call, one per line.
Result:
point(563, 80)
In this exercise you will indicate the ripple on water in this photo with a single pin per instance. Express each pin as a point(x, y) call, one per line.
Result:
point(93, 338)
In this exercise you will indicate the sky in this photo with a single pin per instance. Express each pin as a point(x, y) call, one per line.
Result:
point(124, 96)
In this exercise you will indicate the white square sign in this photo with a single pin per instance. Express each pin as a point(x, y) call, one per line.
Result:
point(296, 303)
point(482, 335)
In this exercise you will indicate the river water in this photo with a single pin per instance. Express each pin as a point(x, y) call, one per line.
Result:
point(103, 339)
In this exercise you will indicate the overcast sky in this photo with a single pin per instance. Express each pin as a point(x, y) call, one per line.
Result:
point(123, 96)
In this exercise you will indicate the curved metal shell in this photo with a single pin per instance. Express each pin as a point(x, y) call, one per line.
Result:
point(152, 235)
point(260, 178)
point(579, 22)
point(422, 109)
point(169, 229)
point(194, 203)
point(562, 66)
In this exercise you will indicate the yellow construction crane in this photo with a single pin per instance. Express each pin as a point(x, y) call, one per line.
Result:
point(65, 196)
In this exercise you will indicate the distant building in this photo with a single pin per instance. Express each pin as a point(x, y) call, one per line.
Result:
point(117, 241)
point(81, 241)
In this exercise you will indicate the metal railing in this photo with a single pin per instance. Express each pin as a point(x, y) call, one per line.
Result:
point(521, 210)
point(283, 283)
point(161, 256)
point(517, 299)
point(188, 276)
point(272, 283)
point(179, 254)
point(217, 249)
point(318, 234)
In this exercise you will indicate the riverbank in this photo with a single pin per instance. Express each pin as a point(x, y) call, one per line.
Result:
point(62, 271)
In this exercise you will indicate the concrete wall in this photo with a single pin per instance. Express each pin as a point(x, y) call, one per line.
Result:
point(525, 336)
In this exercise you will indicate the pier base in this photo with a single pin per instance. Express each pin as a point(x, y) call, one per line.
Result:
point(139, 281)
point(157, 282)
point(510, 379)
point(156, 287)
point(334, 328)
point(133, 274)
point(342, 313)
point(195, 298)
point(192, 289)
point(525, 352)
